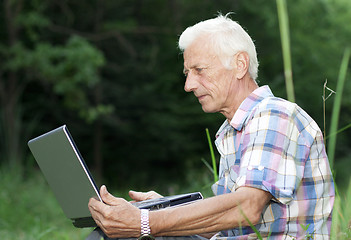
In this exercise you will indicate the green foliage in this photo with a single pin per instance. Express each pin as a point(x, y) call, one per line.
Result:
point(29, 211)
point(67, 67)
point(38, 71)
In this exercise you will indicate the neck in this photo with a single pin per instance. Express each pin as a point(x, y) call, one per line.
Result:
point(239, 94)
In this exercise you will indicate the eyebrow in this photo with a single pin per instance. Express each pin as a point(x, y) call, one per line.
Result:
point(195, 66)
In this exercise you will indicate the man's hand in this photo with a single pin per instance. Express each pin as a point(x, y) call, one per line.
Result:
point(116, 217)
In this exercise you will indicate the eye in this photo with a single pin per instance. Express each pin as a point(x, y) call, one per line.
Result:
point(199, 70)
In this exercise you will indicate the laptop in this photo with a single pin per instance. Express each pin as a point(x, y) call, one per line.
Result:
point(71, 182)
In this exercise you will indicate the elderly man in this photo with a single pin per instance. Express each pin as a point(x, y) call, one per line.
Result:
point(274, 172)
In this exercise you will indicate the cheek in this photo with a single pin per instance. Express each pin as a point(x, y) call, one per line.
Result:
point(217, 85)
point(209, 81)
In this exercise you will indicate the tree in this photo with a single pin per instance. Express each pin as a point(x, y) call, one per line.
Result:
point(66, 70)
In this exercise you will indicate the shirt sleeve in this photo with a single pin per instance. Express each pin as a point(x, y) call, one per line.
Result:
point(273, 154)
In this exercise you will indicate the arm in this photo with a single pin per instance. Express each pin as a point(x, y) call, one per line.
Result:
point(212, 214)
point(121, 219)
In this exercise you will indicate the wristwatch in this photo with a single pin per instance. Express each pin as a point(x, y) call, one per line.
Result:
point(145, 226)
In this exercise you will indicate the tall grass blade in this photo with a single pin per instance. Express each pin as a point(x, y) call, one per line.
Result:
point(340, 130)
point(336, 219)
point(251, 225)
point(285, 39)
point(341, 225)
point(207, 165)
point(337, 105)
point(214, 163)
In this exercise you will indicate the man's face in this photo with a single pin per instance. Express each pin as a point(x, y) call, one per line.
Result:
point(207, 78)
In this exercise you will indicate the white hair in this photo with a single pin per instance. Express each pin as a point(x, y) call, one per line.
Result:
point(228, 38)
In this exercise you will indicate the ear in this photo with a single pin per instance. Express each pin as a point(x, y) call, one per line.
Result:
point(242, 62)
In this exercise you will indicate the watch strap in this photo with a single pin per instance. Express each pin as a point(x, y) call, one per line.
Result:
point(145, 225)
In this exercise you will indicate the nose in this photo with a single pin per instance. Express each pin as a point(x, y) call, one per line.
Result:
point(191, 82)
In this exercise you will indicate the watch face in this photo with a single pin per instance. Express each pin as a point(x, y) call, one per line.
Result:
point(146, 237)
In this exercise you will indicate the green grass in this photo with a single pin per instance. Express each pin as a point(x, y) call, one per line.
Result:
point(28, 209)
point(341, 226)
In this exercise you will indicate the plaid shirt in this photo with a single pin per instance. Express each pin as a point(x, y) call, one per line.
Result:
point(273, 145)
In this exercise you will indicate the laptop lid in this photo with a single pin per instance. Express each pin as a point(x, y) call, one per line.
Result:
point(65, 171)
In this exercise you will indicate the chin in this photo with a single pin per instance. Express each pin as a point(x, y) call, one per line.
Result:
point(208, 110)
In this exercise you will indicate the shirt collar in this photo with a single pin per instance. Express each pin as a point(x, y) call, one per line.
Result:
point(248, 104)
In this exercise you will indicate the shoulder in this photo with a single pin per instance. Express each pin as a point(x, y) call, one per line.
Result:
point(283, 108)
point(280, 112)
point(276, 104)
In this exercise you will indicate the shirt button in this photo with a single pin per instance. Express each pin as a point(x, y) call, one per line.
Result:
point(260, 168)
point(249, 168)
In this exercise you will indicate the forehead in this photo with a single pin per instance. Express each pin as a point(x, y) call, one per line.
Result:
point(198, 53)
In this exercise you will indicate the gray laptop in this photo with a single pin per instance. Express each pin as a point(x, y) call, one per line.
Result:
point(71, 182)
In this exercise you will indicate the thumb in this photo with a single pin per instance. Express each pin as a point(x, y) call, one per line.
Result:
point(141, 196)
point(107, 197)
point(137, 196)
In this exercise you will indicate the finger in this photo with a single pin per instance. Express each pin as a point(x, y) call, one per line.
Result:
point(136, 196)
point(152, 195)
point(96, 210)
point(94, 204)
point(107, 197)
point(96, 207)
point(140, 196)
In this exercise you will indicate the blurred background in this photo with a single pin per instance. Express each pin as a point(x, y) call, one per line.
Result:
point(112, 72)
